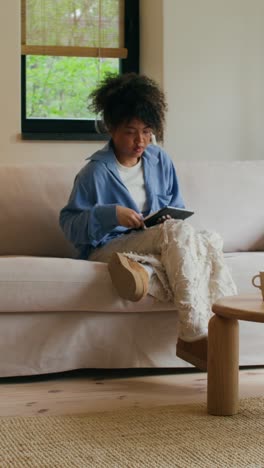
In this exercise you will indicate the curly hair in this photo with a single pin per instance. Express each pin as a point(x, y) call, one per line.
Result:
point(121, 98)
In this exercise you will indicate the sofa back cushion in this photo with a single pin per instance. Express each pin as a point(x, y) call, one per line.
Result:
point(31, 197)
point(227, 197)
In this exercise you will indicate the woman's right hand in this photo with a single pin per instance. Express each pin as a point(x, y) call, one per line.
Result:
point(129, 218)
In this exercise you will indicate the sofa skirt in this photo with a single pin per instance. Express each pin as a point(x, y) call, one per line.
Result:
point(40, 343)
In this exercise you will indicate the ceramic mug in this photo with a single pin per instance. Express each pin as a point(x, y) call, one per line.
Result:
point(260, 284)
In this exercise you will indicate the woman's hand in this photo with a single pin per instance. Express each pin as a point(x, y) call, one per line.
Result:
point(163, 219)
point(129, 218)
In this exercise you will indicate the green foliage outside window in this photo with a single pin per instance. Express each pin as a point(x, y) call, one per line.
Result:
point(58, 87)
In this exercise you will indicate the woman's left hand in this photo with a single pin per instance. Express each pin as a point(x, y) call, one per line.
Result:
point(163, 219)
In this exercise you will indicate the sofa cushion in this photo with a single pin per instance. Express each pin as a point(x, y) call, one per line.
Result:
point(36, 284)
point(31, 198)
point(227, 197)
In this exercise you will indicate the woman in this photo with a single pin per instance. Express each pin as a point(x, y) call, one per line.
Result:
point(121, 184)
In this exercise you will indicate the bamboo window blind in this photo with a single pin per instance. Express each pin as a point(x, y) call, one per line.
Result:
point(77, 28)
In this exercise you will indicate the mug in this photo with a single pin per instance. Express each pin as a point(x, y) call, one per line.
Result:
point(260, 275)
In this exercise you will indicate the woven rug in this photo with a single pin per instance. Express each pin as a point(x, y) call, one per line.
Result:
point(170, 436)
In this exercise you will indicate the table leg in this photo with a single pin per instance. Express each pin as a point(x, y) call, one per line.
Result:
point(223, 370)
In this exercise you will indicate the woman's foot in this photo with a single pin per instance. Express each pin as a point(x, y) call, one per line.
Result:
point(194, 352)
point(130, 279)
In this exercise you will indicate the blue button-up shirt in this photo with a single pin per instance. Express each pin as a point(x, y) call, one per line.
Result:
point(89, 219)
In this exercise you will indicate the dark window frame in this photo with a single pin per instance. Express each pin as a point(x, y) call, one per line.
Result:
point(74, 129)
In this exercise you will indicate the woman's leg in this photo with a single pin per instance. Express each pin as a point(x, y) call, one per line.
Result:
point(129, 277)
point(183, 255)
point(191, 260)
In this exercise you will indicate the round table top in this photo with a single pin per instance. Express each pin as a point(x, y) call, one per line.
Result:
point(250, 307)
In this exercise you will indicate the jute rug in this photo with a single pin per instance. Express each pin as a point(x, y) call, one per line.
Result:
point(171, 436)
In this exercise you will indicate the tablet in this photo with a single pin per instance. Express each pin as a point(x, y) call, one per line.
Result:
point(173, 212)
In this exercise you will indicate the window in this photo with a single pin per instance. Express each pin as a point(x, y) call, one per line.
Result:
point(67, 47)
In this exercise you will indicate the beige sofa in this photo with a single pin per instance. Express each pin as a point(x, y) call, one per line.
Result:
point(58, 313)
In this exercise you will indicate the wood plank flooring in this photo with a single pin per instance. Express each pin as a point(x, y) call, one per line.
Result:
point(88, 391)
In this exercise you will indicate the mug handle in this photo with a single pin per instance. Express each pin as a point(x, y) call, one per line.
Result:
point(253, 281)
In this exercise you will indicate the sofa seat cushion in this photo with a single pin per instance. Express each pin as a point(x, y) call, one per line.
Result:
point(39, 284)
point(244, 265)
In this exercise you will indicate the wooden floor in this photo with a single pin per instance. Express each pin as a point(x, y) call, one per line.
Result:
point(87, 391)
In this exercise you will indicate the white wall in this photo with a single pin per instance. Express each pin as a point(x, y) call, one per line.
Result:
point(213, 76)
point(208, 55)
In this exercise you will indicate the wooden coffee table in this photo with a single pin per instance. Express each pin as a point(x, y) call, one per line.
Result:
point(223, 350)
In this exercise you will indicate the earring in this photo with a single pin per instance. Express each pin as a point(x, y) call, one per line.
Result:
point(153, 139)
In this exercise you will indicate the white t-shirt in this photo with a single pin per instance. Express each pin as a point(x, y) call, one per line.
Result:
point(133, 178)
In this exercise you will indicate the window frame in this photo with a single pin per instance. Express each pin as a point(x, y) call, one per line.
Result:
point(74, 129)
